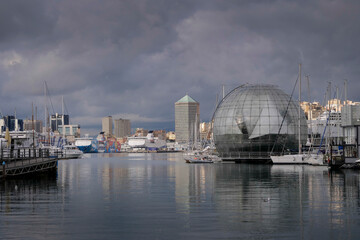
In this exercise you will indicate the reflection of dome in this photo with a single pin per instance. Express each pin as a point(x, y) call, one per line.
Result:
point(247, 123)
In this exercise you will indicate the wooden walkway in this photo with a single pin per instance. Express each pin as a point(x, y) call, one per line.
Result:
point(25, 161)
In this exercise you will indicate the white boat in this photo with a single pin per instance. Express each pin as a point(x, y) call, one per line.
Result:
point(136, 142)
point(298, 158)
point(214, 158)
point(198, 159)
point(101, 142)
point(289, 159)
point(54, 152)
point(201, 157)
point(315, 159)
point(71, 151)
point(86, 145)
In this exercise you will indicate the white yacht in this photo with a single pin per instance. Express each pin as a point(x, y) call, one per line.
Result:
point(71, 151)
point(298, 158)
point(289, 159)
point(315, 159)
point(201, 156)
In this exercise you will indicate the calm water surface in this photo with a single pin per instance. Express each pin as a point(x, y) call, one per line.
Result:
point(159, 196)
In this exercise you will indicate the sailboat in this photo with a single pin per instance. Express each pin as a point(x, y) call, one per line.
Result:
point(199, 154)
point(312, 158)
point(298, 158)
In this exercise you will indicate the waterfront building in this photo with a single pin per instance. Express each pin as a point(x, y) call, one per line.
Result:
point(312, 110)
point(107, 126)
point(122, 128)
point(58, 119)
point(70, 130)
point(170, 136)
point(28, 125)
point(140, 132)
point(187, 120)
point(160, 134)
point(326, 127)
point(12, 123)
point(350, 116)
point(205, 130)
point(253, 121)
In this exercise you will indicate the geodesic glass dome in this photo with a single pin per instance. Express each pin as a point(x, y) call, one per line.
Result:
point(247, 123)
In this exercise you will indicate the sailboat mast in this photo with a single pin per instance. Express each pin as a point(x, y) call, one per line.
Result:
point(299, 108)
point(310, 111)
point(45, 117)
point(32, 123)
point(45, 107)
point(338, 116)
point(62, 118)
point(346, 93)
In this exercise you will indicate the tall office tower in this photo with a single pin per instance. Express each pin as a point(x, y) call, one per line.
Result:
point(187, 119)
point(57, 120)
point(122, 127)
point(107, 126)
point(12, 123)
point(36, 124)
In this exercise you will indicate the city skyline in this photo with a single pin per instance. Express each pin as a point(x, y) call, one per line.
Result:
point(134, 59)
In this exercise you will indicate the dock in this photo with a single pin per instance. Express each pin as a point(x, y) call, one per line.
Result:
point(25, 161)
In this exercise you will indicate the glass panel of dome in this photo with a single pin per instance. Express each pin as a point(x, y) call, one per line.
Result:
point(250, 111)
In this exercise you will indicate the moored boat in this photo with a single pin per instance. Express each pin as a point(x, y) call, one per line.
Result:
point(71, 151)
point(86, 145)
point(289, 159)
point(198, 159)
point(315, 159)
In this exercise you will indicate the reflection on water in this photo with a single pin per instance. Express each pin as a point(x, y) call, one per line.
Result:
point(159, 196)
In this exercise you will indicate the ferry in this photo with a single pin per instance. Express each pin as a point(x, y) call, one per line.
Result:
point(86, 145)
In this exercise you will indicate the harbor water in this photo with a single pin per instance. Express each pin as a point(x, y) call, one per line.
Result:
point(159, 196)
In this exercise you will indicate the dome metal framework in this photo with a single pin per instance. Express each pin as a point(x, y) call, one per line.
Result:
point(247, 123)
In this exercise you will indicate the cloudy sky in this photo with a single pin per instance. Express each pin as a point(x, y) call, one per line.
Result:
point(135, 58)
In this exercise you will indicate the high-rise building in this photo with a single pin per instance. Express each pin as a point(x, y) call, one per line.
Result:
point(187, 119)
point(70, 130)
point(28, 125)
point(12, 123)
point(122, 127)
point(58, 120)
point(107, 126)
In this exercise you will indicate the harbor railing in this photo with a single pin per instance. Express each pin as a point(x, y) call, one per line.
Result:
point(21, 161)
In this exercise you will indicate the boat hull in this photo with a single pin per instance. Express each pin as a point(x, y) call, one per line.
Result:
point(288, 159)
point(87, 145)
point(197, 159)
point(315, 160)
point(87, 149)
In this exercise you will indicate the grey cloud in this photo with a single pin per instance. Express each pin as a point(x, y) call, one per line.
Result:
point(138, 57)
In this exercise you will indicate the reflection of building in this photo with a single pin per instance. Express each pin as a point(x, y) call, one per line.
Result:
point(247, 123)
point(187, 119)
point(107, 125)
point(57, 120)
point(28, 125)
point(122, 127)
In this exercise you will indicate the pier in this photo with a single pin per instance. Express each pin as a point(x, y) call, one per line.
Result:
point(25, 161)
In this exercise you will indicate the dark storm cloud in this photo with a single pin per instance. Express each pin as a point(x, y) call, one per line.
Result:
point(136, 58)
